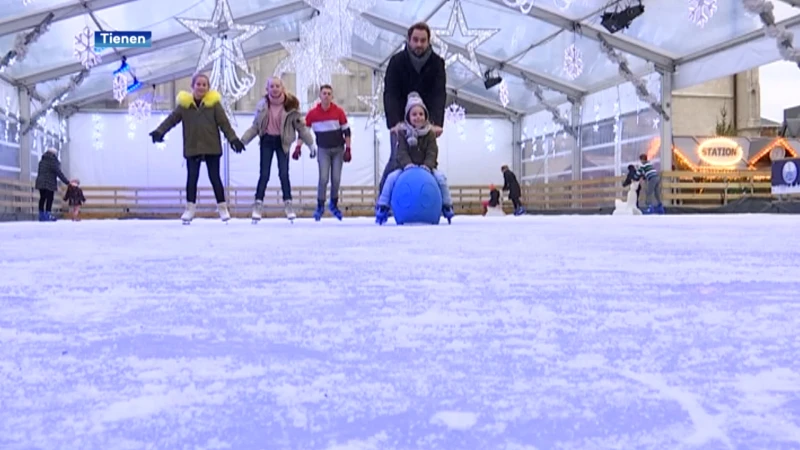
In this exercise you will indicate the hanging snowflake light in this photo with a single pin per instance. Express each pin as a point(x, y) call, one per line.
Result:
point(488, 130)
point(97, 131)
point(596, 126)
point(120, 87)
point(140, 110)
point(701, 11)
point(573, 62)
point(84, 48)
point(131, 126)
point(503, 93)
point(454, 114)
point(616, 121)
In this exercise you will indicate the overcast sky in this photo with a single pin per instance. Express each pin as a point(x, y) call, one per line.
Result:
point(780, 89)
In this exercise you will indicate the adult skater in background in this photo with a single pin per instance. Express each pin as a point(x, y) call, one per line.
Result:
point(202, 115)
point(278, 122)
point(417, 68)
point(511, 185)
point(332, 131)
point(47, 176)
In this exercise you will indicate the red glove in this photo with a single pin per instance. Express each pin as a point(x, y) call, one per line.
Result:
point(347, 156)
point(296, 154)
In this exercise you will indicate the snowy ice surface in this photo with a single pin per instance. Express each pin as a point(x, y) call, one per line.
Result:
point(667, 332)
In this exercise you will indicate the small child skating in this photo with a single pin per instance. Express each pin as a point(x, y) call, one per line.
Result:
point(633, 176)
point(74, 198)
point(416, 147)
point(647, 172)
point(494, 199)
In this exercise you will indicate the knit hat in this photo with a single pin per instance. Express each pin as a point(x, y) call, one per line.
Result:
point(412, 133)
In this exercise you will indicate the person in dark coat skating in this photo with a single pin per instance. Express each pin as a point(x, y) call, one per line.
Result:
point(49, 173)
point(511, 185)
point(633, 175)
point(416, 68)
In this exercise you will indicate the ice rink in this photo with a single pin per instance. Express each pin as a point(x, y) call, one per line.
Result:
point(567, 332)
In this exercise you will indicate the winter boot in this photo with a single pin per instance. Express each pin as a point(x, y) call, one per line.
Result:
point(42, 216)
point(381, 215)
point(224, 214)
point(519, 211)
point(258, 207)
point(447, 212)
point(320, 210)
point(188, 214)
point(287, 208)
point(334, 207)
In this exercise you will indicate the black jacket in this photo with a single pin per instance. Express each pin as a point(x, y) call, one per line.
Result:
point(494, 198)
point(633, 175)
point(74, 196)
point(49, 170)
point(401, 79)
point(511, 184)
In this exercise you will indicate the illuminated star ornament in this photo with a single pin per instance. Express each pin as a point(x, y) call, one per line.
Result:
point(222, 46)
point(312, 59)
point(479, 35)
point(376, 114)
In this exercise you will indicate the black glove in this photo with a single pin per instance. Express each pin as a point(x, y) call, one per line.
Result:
point(157, 137)
point(237, 146)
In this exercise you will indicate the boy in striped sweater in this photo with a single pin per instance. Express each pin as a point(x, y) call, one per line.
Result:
point(653, 192)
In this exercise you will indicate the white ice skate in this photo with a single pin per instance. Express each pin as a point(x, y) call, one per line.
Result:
point(224, 214)
point(289, 211)
point(188, 214)
point(257, 208)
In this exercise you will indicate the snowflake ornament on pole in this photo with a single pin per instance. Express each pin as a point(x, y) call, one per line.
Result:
point(573, 62)
point(84, 48)
point(701, 11)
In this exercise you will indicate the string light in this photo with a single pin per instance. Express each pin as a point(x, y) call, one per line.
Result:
point(616, 122)
point(488, 130)
point(84, 48)
point(344, 21)
point(131, 126)
point(373, 102)
point(62, 131)
point(312, 59)
point(503, 93)
point(573, 62)
point(701, 11)
point(23, 40)
point(596, 126)
point(479, 35)
point(97, 131)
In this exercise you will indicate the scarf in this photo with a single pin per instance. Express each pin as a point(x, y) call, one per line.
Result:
point(418, 62)
point(413, 134)
point(275, 115)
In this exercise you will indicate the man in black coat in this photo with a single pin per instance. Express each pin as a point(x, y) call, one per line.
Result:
point(416, 68)
point(511, 185)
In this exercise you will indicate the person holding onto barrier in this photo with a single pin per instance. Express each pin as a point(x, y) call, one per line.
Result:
point(203, 117)
point(511, 185)
point(278, 122)
point(416, 148)
point(632, 176)
point(647, 172)
point(48, 174)
point(329, 123)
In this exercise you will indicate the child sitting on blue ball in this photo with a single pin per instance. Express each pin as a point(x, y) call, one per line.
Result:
point(418, 149)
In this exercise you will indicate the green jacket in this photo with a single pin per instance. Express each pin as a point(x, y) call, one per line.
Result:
point(425, 153)
point(292, 126)
point(201, 124)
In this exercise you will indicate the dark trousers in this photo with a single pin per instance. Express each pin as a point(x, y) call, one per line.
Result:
point(389, 164)
point(271, 145)
point(46, 197)
point(193, 176)
point(515, 201)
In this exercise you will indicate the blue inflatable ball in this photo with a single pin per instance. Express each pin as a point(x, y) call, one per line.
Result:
point(416, 198)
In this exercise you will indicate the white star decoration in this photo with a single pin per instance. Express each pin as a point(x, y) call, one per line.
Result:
point(222, 22)
point(656, 123)
point(376, 114)
point(479, 35)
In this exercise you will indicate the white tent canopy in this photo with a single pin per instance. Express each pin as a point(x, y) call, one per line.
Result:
point(528, 48)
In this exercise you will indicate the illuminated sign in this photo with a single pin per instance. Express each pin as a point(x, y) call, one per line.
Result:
point(720, 152)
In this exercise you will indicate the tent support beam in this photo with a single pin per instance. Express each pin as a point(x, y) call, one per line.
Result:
point(25, 21)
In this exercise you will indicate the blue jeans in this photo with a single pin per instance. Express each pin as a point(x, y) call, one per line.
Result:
point(271, 146)
point(388, 185)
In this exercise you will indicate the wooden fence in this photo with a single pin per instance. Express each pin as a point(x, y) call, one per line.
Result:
point(696, 189)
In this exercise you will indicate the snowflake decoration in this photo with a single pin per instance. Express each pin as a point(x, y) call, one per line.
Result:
point(97, 131)
point(139, 110)
point(656, 123)
point(573, 62)
point(120, 87)
point(489, 135)
point(455, 113)
point(701, 11)
point(84, 48)
point(503, 93)
point(596, 126)
point(616, 121)
point(131, 127)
